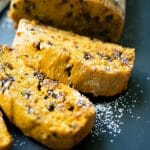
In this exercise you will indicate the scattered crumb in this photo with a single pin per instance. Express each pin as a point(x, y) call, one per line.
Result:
point(111, 141)
point(148, 78)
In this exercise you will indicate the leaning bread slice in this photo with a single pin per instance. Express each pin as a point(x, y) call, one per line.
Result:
point(101, 18)
point(51, 113)
point(5, 137)
point(91, 66)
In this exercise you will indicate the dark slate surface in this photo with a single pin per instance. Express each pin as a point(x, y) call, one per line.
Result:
point(135, 133)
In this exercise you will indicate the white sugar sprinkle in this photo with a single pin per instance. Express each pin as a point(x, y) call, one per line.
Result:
point(111, 141)
point(148, 78)
point(109, 120)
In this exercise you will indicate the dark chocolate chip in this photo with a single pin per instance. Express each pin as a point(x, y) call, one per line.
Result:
point(14, 6)
point(64, 1)
point(105, 57)
point(8, 65)
point(39, 86)
point(37, 46)
point(117, 54)
point(96, 19)
point(30, 110)
point(71, 108)
point(69, 14)
point(39, 76)
point(58, 96)
point(50, 93)
point(71, 6)
point(87, 55)
point(109, 18)
point(68, 70)
point(6, 83)
point(26, 94)
point(116, 3)
point(125, 60)
point(87, 16)
point(54, 135)
point(51, 107)
point(32, 29)
point(81, 103)
point(50, 43)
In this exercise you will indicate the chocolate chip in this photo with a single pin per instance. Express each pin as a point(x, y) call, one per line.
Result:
point(116, 3)
point(6, 83)
point(26, 94)
point(87, 16)
point(117, 54)
point(50, 92)
point(105, 57)
point(69, 14)
point(58, 96)
point(50, 43)
point(39, 76)
point(51, 107)
point(53, 94)
point(46, 97)
point(68, 70)
point(27, 10)
point(8, 65)
point(96, 19)
point(71, 6)
point(54, 135)
point(32, 29)
point(71, 108)
point(64, 1)
point(125, 60)
point(30, 110)
point(39, 86)
point(37, 46)
point(109, 18)
point(108, 58)
point(14, 6)
point(87, 55)
point(81, 103)
point(73, 126)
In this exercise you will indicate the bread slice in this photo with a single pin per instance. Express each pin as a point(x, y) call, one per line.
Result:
point(100, 18)
point(5, 137)
point(52, 113)
point(90, 66)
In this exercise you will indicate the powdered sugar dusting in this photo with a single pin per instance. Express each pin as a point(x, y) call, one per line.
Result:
point(109, 120)
point(18, 142)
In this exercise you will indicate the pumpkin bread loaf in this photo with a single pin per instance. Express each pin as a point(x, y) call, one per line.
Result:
point(52, 113)
point(100, 18)
point(90, 66)
point(5, 137)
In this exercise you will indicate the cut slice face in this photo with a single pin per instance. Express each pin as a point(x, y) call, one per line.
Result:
point(91, 66)
point(5, 137)
point(52, 113)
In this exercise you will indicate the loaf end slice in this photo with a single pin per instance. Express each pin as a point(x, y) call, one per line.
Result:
point(96, 18)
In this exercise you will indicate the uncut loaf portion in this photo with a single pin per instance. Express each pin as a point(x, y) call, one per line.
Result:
point(97, 18)
point(90, 66)
point(52, 113)
point(5, 137)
